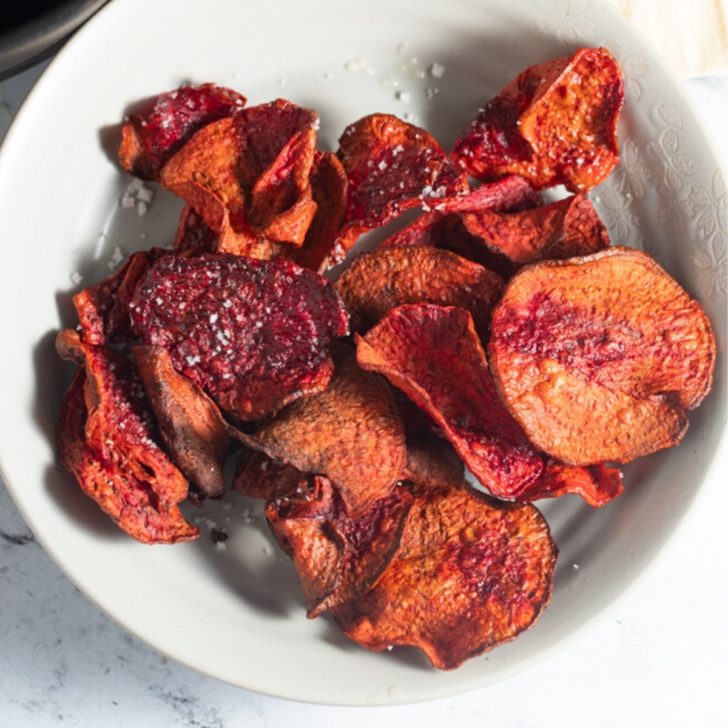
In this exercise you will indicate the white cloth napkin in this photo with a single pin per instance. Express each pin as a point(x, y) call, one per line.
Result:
point(692, 34)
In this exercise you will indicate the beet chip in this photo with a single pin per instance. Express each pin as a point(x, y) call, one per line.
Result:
point(432, 463)
point(248, 175)
point(391, 167)
point(379, 281)
point(149, 140)
point(189, 421)
point(350, 432)
point(596, 484)
point(103, 309)
point(193, 234)
point(434, 356)
point(253, 334)
point(338, 558)
point(328, 184)
point(259, 476)
point(104, 434)
point(563, 229)
point(554, 124)
point(470, 574)
point(598, 357)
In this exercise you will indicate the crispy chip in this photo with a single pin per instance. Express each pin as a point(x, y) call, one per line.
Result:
point(432, 463)
point(105, 437)
point(103, 309)
point(253, 334)
point(563, 229)
point(189, 421)
point(391, 167)
point(384, 279)
point(596, 484)
point(350, 432)
point(260, 476)
point(598, 357)
point(328, 183)
point(248, 175)
point(195, 236)
point(554, 124)
point(469, 575)
point(434, 356)
point(338, 558)
point(149, 140)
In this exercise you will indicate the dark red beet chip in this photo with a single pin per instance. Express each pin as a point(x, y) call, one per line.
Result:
point(149, 140)
point(254, 334)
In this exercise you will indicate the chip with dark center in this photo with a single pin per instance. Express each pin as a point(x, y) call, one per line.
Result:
point(189, 421)
point(253, 334)
point(386, 278)
point(391, 167)
point(433, 354)
point(106, 434)
point(249, 174)
point(338, 557)
point(149, 139)
point(351, 432)
point(599, 357)
point(470, 573)
point(555, 123)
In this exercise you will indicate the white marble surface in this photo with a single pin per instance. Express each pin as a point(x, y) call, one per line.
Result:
point(660, 659)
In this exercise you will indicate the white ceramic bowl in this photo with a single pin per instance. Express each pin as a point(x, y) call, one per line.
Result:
point(237, 614)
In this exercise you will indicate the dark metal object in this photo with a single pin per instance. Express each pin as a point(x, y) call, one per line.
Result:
point(27, 37)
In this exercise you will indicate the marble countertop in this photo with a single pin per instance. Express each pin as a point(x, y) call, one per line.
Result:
point(661, 658)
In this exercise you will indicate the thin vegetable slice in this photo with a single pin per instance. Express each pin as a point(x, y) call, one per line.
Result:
point(470, 574)
point(599, 357)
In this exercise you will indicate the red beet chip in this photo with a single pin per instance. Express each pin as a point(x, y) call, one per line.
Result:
point(328, 184)
point(259, 476)
point(249, 174)
point(391, 167)
point(103, 309)
point(434, 356)
point(563, 229)
point(338, 557)
point(555, 123)
point(106, 437)
point(253, 334)
point(148, 140)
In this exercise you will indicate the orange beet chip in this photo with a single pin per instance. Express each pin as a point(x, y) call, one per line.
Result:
point(432, 463)
point(350, 432)
point(563, 229)
point(470, 574)
point(391, 167)
point(555, 123)
point(379, 281)
point(338, 558)
point(248, 175)
point(149, 139)
point(103, 309)
point(190, 422)
point(596, 484)
point(599, 357)
point(259, 476)
point(434, 356)
point(105, 437)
